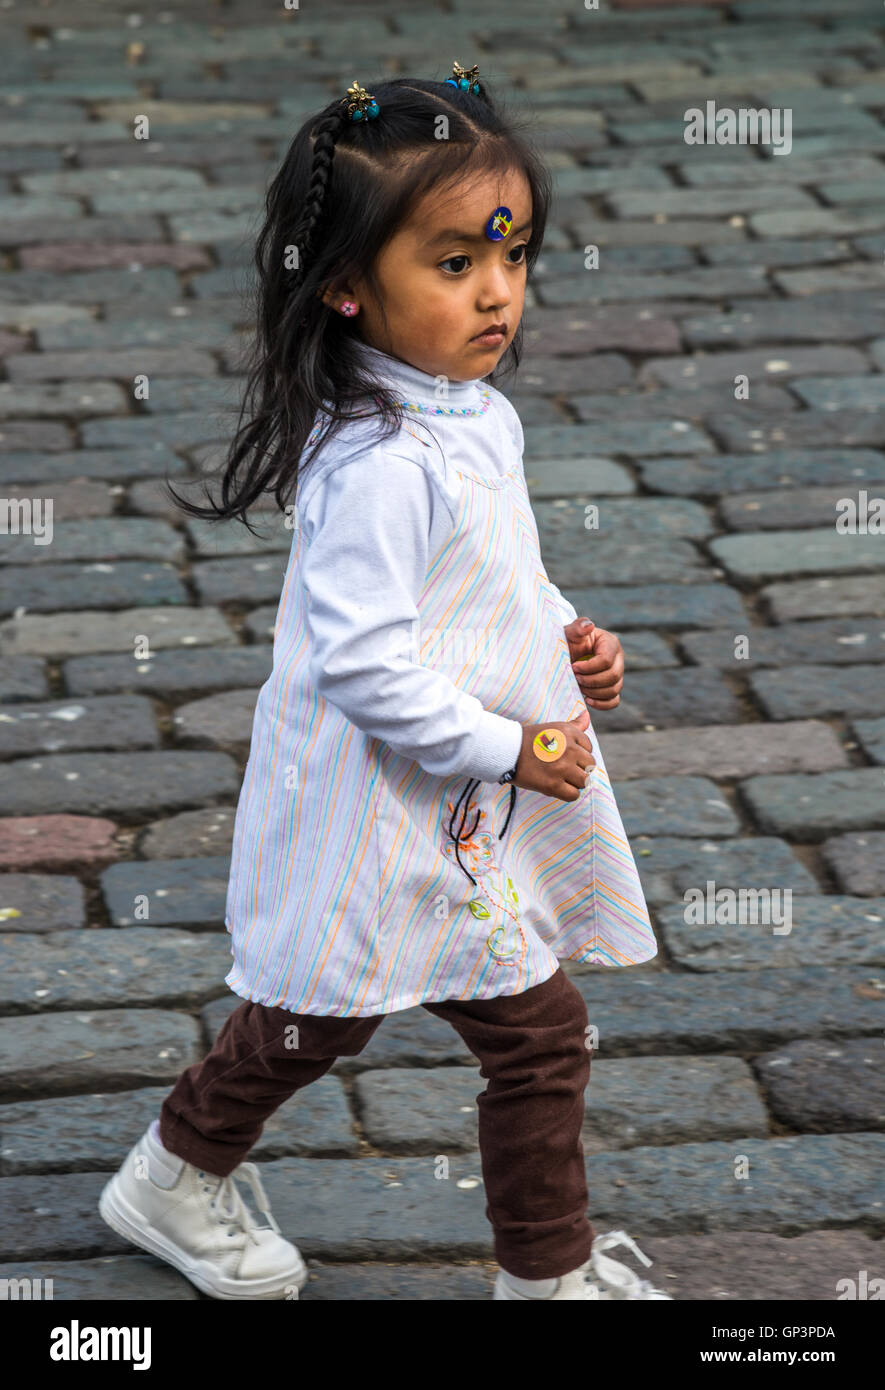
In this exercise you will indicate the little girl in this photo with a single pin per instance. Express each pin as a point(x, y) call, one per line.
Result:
point(422, 673)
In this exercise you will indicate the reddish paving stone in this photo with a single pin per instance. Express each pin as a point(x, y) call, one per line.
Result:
point(81, 497)
point(56, 842)
point(87, 255)
point(733, 1266)
point(11, 343)
point(594, 329)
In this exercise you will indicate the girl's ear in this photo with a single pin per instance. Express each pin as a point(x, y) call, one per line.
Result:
point(335, 298)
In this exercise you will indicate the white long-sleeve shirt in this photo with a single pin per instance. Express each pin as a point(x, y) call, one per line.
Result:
point(371, 522)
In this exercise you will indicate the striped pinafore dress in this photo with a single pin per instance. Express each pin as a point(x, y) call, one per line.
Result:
point(391, 886)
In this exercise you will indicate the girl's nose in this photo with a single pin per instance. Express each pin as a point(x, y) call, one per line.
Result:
point(495, 290)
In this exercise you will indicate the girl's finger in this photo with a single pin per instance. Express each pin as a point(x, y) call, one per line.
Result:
point(600, 691)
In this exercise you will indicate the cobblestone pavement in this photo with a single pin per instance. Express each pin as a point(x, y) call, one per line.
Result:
point(735, 1116)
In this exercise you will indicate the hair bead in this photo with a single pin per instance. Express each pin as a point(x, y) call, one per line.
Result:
point(464, 80)
point(361, 105)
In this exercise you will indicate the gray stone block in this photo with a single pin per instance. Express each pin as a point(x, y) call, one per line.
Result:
point(52, 588)
point(871, 733)
point(662, 606)
point(110, 967)
point(788, 509)
point(218, 719)
point(89, 1133)
point(668, 865)
point(100, 538)
point(776, 469)
point(171, 674)
point(847, 317)
point(669, 1100)
point(647, 1011)
point(796, 692)
point(793, 1185)
point(69, 726)
point(732, 750)
point(562, 523)
point(23, 678)
point(576, 475)
point(772, 554)
point(810, 806)
point(774, 932)
point(187, 893)
point(41, 902)
point(244, 581)
point(825, 597)
point(154, 459)
point(128, 630)
point(823, 1086)
point(192, 833)
point(58, 399)
point(624, 558)
point(675, 806)
point(109, 783)
point(776, 363)
point(846, 641)
point(809, 429)
point(841, 393)
point(857, 862)
point(122, 1278)
point(667, 698)
point(412, 1112)
point(60, 1053)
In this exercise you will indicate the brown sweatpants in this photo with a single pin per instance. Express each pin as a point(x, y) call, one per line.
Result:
point(532, 1052)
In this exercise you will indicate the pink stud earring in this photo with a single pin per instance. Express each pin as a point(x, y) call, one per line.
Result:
point(348, 308)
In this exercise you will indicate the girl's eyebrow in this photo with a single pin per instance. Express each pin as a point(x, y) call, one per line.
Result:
point(453, 234)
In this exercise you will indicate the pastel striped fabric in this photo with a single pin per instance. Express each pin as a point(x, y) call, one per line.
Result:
point(345, 896)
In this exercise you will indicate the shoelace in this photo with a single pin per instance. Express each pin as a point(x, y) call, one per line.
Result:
point(617, 1278)
point(230, 1205)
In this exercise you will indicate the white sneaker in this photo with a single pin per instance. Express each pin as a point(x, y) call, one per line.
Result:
point(199, 1223)
point(599, 1278)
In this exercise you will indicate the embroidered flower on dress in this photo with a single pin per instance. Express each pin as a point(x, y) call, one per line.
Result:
point(478, 848)
point(506, 943)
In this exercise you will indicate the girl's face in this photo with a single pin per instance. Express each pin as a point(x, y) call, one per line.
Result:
point(444, 282)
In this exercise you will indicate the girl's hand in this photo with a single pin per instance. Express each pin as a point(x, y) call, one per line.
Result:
point(598, 663)
point(564, 776)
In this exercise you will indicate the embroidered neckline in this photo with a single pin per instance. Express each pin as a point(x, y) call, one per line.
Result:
point(422, 409)
point(485, 397)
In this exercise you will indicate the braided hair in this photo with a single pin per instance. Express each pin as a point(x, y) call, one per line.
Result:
point(326, 134)
point(343, 189)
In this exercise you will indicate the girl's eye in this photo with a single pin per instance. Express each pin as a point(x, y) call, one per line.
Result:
point(451, 259)
point(454, 258)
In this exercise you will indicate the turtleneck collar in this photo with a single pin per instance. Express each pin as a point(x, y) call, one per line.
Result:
point(412, 383)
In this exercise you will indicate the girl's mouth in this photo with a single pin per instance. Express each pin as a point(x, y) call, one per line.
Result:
point(492, 337)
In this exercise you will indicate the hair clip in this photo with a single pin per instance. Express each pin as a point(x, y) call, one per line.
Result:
point(464, 80)
point(361, 105)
